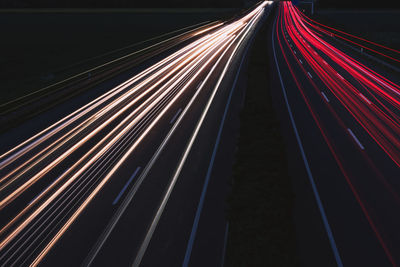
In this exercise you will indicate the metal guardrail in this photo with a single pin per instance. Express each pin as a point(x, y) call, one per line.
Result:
point(364, 53)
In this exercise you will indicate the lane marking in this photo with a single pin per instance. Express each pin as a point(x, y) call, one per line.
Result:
point(38, 259)
point(355, 138)
point(175, 116)
point(210, 167)
point(366, 99)
point(294, 52)
point(309, 74)
point(325, 62)
point(132, 192)
point(174, 178)
point(326, 98)
point(308, 169)
point(301, 62)
point(160, 210)
point(126, 186)
point(341, 77)
point(225, 243)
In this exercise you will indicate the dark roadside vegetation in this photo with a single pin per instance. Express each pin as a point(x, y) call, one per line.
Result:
point(380, 26)
point(119, 3)
point(358, 4)
point(377, 21)
point(42, 47)
point(45, 45)
point(261, 230)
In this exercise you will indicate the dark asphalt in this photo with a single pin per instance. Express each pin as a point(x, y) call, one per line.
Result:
point(353, 235)
point(168, 245)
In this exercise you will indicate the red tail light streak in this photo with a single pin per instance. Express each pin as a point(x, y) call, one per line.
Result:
point(366, 44)
point(354, 96)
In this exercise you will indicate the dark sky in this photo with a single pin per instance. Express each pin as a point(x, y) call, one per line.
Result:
point(359, 3)
point(120, 3)
point(185, 3)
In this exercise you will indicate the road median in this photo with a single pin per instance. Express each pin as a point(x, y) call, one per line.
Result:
point(261, 230)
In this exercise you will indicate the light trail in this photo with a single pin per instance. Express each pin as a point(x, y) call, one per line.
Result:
point(366, 98)
point(371, 117)
point(93, 158)
point(87, 108)
point(54, 163)
point(184, 52)
point(80, 153)
point(312, 23)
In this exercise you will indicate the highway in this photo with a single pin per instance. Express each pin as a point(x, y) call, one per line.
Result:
point(344, 115)
point(122, 180)
point(85, 76)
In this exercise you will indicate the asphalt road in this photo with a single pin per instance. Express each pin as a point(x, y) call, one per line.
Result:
point(124, 179)
point(344, 117)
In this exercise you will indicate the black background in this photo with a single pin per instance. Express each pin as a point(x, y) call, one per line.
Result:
point(183, 3)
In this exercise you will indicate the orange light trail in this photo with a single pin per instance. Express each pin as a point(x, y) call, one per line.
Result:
point(128, 112)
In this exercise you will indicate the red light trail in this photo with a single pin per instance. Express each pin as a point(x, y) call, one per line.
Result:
point(371, 100)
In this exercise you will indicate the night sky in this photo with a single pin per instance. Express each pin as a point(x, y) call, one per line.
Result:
point(120, 3)
point(181, 3)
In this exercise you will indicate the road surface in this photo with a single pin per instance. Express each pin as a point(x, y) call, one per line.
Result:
point(123, 179)
point(345, 118)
